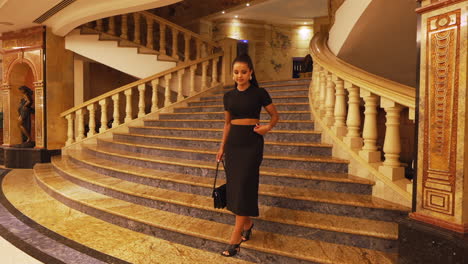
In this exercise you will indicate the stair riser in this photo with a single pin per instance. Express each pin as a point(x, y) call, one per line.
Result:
point(275, 100)
point(220, 124)
point(220, 108)
point(188, 240)
point(269, 148)
point(270, 89)
point(263, 116)
point(272, 93)
point(223, 217)
point(273, 163)
point(279, 137)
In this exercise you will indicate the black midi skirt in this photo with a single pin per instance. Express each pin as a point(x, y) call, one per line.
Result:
point(243, 156)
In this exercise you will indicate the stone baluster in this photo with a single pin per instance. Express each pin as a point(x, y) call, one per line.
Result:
point(391, 167)
point(124, 25)
point(116, 101)
point(149, 33)
point(70, 134)
point(80, 120)
point(369, 151)
point(339, 127)
point(353, 121)
point(137, 35)
point(167, 94)
point(193, 68)
point(99, 25)
point(187, 47)
point(141, 100)
point(111, 26)
point(204, 75)
point(154, 97)
point(317, 84)
point(162, 39)
point(180, 76)
point(92, 120)
point(323, 93)
point(175, 43)
point(103, 104)
point(330, 101)
point(214, 72)
point(128, 105)
point(199, 50)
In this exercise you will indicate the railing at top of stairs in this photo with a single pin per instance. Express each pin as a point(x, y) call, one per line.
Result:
point(334, 80)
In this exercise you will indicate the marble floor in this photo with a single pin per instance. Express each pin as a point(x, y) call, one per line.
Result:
point(9, 254)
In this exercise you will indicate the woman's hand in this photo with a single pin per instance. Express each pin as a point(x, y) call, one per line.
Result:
point(262, 130)
point(220, 154)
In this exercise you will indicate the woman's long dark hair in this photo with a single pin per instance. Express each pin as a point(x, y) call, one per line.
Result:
point(244, 58)
point(27, 91)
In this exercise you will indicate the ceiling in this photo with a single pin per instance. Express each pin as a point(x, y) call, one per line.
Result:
point(278, 11)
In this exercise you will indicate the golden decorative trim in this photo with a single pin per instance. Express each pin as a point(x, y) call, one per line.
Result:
point(437, 5)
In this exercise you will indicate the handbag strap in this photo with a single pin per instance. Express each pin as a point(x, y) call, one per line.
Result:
point(216, 175)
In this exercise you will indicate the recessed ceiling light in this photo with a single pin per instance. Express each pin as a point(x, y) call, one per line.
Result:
point(248, 4)
point(224, 12)
point(236, 16)
point(305, 23)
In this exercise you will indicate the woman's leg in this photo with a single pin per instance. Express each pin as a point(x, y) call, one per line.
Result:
point(236, 233)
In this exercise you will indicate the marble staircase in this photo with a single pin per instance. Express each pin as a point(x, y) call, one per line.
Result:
point(156, 179)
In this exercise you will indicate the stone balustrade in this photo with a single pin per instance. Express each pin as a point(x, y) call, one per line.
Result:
point(347, 102)
point(84, 121)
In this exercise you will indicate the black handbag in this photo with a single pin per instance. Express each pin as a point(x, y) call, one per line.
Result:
point(219, 193)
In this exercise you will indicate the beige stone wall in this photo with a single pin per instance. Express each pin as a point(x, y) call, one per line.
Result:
point(59, 89)
point(272, 47)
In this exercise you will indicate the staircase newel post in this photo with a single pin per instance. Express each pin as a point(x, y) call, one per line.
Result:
point(111, 26)
point(175, 43)
point(92, 120)
point(167, 94)
point(162, 39)
point(154, 98)
point(103, 104)
point(116, 101)
point(214, 72)
point(180, 75)
point(137, 35)
point(128, 105)
point(124, 34)
point(330, 101)
point(80, 118)
point(204, 75)
point(353, 121)
point(323, 92)
point(149, 33)
point(339, 127)
point(70, 136)
point(141, 101)
point(369, 151)
point(187, 47)
point(193, 68)
point(391, 167)
point(99, 25)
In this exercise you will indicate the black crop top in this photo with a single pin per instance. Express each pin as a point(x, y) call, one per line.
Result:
point(247, 103)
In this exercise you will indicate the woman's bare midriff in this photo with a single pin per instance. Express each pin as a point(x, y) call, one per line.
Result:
point(245, 121)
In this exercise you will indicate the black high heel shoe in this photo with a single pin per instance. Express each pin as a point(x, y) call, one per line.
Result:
point(231, 250)
point(247, 233)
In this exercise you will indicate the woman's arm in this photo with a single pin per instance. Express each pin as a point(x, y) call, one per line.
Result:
point(227, 127)
point(274, 117)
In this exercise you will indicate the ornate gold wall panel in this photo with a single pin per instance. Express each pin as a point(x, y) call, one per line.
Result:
point(440, 130)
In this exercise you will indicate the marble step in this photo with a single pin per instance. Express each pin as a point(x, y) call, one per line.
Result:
point(284, 92)
point(264, 247)
point(377, 235)
point(220, 108)
point(272, 87)
point(219, 124)
point(285, 115)
point(276, 100)
point(314, 163)
point(208, 142)
point(336, 182)
point(363, 206)
point(72, 237)
point(273, 135)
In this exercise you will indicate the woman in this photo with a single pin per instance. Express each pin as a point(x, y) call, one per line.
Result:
point(25, 110)
point(243, 145)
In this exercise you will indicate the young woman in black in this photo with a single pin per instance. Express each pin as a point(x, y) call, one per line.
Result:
point(242, 145)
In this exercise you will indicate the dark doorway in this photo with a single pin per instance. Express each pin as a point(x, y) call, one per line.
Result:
point(297, 66)
point(242, 47)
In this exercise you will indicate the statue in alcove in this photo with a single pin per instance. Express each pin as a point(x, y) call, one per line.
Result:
point(25, 111)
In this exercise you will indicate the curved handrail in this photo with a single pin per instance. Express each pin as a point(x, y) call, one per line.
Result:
point(140, 82)
point(403, 94)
